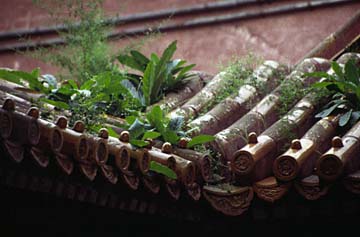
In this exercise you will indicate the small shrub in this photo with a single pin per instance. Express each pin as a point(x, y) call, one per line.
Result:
point(344, 84)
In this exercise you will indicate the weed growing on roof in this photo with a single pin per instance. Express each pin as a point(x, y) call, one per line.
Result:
point(88, 60)
point(158, 75)
point(92, 85)
point(156, 125)
point(238, 72)
point(86, 52)
point(90, 114)
point(291, 90)
point(218, 168)
point(287, 131)
point(344, 86)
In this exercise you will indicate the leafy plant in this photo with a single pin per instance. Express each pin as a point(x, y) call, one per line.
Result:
point(291, 90)
point(199, 140)
point(162, 169)
point(156, 126)
point(101, 94)
point(344, 83)
point(27, 79)
point(109, 91)
point(237, 73)
point(159, 74)
point(86, 52)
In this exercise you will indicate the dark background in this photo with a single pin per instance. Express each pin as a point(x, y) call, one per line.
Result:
point(26, 212)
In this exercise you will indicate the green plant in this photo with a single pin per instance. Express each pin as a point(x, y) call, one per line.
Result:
point(156, 125)
point(162, 169)
point(86, 52)
point(89, 70)
point(238, 72)
point(27, 79)
point(344, 84)
point(159, 74)
point(199, 140)
point(291, 90)
point(88, 103)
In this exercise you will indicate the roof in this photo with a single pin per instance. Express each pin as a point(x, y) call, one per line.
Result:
point(257, 167)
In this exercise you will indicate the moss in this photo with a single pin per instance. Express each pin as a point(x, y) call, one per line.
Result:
point(291, 90)
point(237, 72)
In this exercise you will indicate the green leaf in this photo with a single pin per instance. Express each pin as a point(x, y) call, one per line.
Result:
point(337, 87)
point(150, 135)
point(35, 72)
point(73, 84)
point(103, 84)
point(32, 79)
point(174, 64)
point(134, 78)
point(148, 82)
point(350, 86)
point(140, 58)
point(158, 84)
point(155, 118)
point(176, 122)
point(130, 62)
point(154, 58)
point(112, 132)
point(178, 67)
point(94, 128)
point(327, 112)
point(58, 104)
point(199, 140)
point(168, 52)
point(100, 97)
point(64, 90)
point(316, 74)
point(133, 91)
point(136, 129)
point(182, 74)
point(322, 84)
point(138, 143)
point(351, 72)
point(11, 77)
point(335, 101)
point(88, 84)
point(130, 119)
point(161, 73)
point(338, 70)
point(345, 118)
point(170, 136)
point(162, 169)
